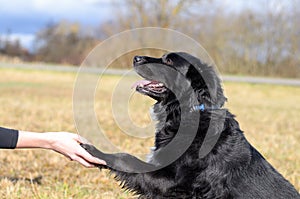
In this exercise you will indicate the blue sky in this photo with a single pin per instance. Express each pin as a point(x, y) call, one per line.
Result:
point(23, 18)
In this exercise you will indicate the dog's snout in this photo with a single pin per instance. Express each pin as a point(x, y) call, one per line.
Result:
point(138, 60)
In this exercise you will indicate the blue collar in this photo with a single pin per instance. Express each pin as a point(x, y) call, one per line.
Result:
point(202, 107)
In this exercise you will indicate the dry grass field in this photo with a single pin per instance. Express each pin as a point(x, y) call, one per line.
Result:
point(42, 101)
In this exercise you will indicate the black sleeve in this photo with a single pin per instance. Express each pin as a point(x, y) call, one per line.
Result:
point(8, 138)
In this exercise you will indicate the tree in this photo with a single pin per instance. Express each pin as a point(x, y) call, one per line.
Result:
point(63, 42)
point(140, 13)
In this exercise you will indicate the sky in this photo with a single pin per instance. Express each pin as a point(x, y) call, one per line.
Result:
point(23, 18)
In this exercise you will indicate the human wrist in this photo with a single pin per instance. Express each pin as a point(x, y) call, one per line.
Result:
point(47, 140)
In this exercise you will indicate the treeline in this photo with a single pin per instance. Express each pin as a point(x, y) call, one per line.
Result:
point(63, 42)
point(13, 48)
point(263, 40)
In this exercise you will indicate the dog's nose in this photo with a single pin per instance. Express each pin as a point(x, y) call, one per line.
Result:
point(138, 59)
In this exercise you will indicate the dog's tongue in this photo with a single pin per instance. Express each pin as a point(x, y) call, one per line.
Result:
point(142, 82)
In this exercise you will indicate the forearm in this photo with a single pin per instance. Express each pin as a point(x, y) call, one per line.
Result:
point(33, 140)
point(61, 142)
point(10, 138)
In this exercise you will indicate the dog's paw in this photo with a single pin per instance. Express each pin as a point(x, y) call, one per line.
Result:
point(93, 151)
point(88, 147)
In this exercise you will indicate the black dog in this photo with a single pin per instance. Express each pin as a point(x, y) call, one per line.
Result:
point(200, 151)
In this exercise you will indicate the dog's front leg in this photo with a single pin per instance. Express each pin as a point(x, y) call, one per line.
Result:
point(134, 173)
point(120, 161)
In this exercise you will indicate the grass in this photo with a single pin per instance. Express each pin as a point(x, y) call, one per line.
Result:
point(42, 101)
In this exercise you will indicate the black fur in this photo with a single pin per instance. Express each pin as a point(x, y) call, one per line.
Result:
point(231, 169)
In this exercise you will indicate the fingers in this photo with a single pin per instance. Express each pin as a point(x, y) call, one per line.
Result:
point(69, 145)
point(88, 157)
point(83, 162)
point(85, 155)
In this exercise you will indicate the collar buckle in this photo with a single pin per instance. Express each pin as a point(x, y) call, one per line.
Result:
point(201, 107)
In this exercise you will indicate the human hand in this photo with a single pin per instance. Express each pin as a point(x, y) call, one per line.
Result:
point(68, 144)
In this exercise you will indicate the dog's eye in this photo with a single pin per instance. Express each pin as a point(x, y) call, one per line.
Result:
point(169, 61)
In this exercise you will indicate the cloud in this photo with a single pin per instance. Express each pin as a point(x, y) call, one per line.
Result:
point(22, 19)
point(26, 40)
point(21, 16)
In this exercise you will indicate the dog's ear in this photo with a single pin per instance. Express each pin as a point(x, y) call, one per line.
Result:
point(214, 86)
point(204, 80)
point(207, 84)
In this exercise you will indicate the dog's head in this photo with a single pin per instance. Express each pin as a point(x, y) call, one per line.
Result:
point(164, 78)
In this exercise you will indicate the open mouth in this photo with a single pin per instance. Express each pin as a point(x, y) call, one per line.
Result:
point(147, 85)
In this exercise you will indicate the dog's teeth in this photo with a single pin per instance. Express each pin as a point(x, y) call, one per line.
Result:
point(160, 84)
